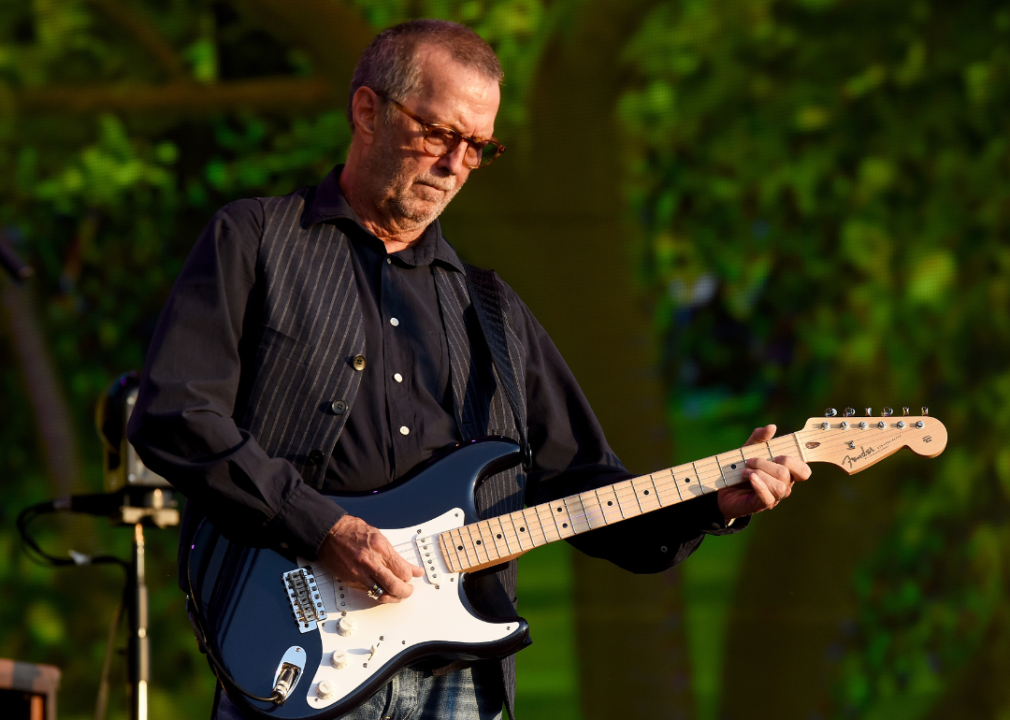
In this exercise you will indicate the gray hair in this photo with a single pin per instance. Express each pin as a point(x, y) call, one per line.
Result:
point(390, 64)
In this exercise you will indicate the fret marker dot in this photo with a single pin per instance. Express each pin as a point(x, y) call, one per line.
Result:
point(610, 502)
point(498, 536)
point(478, 542)
point(732, 467)
point(646, 492)
point(564, 524)
point(459, 547)
point(522, 529)
point(559, 509)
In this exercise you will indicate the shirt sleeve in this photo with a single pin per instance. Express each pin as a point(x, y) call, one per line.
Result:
point(183, 423)
point(571, 455)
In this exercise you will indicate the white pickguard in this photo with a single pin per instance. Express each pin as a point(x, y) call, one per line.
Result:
point(432, 613)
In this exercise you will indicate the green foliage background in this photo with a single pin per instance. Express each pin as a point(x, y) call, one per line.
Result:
point(817, 193)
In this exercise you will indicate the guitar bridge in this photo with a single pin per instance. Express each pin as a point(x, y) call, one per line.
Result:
point(303, 594)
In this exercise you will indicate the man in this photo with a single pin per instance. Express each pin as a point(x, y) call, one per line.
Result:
point(325, 341)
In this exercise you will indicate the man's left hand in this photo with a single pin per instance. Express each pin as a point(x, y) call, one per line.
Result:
point(770, 480)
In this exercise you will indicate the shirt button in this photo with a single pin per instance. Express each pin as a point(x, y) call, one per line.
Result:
point(316, 457)
point(389, 261)
point(394, 322)
point(398, 377)
point(358, 362)
point(338, 407)
point(404, 430)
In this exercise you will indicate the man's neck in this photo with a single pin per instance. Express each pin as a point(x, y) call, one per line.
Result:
point(396, 236)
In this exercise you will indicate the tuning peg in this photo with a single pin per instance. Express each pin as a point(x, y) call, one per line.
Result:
point(925, 411)
point(886, 412)
point(905, 410)
point(869, 412)
point(849, 412)
point(830, 412)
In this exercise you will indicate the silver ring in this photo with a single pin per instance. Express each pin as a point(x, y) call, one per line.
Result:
point(375, 592)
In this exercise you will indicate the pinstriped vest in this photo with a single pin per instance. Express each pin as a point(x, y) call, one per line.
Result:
point(311, 330)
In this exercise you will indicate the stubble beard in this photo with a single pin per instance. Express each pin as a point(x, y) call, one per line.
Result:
point(395, 183)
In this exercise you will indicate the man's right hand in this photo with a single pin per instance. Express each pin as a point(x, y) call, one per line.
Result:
point(361, 556)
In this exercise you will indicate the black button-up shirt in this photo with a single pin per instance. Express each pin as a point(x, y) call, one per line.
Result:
point(402, 411)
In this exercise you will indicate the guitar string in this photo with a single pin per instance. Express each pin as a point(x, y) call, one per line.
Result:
point(708, 469)
point(624, 490)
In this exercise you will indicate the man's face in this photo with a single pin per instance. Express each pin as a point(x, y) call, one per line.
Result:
point(414, 187)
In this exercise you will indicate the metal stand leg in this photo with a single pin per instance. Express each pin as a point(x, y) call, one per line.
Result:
point(139, 648)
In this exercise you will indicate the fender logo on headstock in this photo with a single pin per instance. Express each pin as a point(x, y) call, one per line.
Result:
point(866, 452)
point(812, 445)
point(928, 439)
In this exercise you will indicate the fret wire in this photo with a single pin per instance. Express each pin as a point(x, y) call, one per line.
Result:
point(519, 540)
point(585, 511)
point(659, 499)
point(557, 525)
point(494, 535)
point(505, 536)
point(493, 543)
point(466, 550)
point(620, 507)
point(571, 520)
point(721, 472)
point(677, 485)
point(474, 545)
point(530, 532)
point(448, 556)
point(603, 512)
point(634, 488)
point(540, 520)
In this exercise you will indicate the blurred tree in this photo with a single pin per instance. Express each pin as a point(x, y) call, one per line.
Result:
point(822, 188)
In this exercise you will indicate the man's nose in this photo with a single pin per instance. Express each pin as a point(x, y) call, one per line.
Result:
point(453, 160)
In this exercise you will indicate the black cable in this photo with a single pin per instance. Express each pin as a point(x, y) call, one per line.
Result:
point(39, 556)
point(216, 665)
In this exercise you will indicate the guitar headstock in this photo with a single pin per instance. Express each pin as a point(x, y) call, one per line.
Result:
point(855, 443)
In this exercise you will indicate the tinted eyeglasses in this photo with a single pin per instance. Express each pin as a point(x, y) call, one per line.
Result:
point(441, 140)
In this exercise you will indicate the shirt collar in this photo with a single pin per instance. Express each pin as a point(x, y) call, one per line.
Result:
point(328, 204)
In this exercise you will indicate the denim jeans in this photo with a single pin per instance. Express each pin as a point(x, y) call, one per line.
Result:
point(472, 693)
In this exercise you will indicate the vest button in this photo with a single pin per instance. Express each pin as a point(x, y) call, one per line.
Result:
point(316, 457)
point(358, 362)
point(338, 407)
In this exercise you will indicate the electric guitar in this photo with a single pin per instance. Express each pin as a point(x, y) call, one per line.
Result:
point(307, 646)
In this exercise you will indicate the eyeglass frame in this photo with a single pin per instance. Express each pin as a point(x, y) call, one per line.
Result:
point(475, 142)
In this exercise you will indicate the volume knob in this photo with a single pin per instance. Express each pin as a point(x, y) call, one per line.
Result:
point(325, 690)
point(338, 659)
point(347, 626)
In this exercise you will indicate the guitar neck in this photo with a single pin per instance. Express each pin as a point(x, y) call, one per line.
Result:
point(499, 539)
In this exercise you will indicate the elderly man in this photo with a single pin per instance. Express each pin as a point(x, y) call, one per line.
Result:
point(325, 342)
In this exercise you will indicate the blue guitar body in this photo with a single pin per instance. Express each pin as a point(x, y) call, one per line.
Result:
point(260, 612)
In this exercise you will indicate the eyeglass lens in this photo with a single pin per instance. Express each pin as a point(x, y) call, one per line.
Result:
point(439, 141)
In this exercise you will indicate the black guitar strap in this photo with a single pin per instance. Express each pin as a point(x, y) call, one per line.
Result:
point(485, 294)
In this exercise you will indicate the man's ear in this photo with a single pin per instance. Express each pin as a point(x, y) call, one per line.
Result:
point(365, 113)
